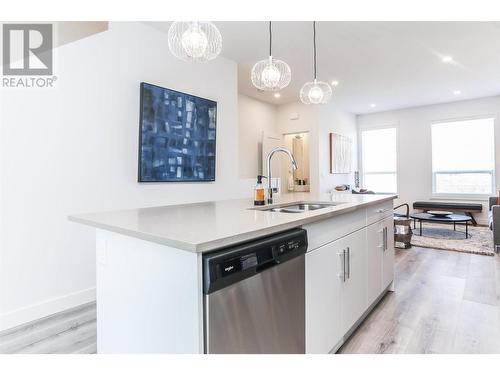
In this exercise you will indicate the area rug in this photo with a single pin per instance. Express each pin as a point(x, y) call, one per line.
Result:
point(443, 237)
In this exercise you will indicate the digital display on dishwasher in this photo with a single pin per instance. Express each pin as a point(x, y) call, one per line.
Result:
point(291, 245)
point(294, 244)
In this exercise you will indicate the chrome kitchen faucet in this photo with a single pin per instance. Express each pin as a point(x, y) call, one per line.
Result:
point(269, 181)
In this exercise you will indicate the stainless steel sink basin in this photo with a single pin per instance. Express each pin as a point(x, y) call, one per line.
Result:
point(299, 207)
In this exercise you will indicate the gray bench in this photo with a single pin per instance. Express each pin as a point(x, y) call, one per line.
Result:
point(467, 208)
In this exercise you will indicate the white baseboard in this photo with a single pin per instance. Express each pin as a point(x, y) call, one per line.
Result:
point(45, 308)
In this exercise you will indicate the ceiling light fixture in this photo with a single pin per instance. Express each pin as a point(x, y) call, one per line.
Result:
point(315, 92)
point(335, 83)
point(277, 95)
point(271, 74)
point(373, 105)
point(447, 59)
point(197, 41)
point(457, 92)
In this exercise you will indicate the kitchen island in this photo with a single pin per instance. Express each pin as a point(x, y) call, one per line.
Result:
point(150, 282)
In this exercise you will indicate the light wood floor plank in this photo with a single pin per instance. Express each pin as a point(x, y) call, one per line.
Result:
point(65, 342)
point(37, 332)
point(445, 302)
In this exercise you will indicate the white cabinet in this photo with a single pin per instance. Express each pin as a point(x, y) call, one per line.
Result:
point(388, 254)
point(345, 275)
point(323, 321)
point(335, 290)
point(375, 235)
point(379, 258)
point(353, 288)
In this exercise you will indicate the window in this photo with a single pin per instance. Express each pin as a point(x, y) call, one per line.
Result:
point(463, 158)
point(378, 158)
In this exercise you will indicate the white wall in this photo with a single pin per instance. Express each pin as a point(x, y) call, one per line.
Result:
point(334, 120)
point(320, 121)
point(73, 149)
point(414, 142)
point(255, 117)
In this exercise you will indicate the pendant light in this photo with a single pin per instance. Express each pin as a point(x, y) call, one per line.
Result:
point(271, 74)
point(315, 92)
point(197, 41)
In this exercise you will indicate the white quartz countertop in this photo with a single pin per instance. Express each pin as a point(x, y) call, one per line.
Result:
point(202, 227)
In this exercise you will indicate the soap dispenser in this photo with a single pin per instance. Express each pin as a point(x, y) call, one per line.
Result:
point(259, 192)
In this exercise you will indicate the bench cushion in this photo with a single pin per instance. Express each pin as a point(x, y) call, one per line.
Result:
point(450, 206)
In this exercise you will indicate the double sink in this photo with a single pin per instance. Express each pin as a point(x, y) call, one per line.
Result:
point(298, 207)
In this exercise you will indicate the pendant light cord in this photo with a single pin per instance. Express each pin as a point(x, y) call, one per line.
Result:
point(314, 47)
point(270, 39)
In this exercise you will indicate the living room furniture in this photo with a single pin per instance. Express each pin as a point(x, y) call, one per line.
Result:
point(494, 221)
point(402, 227)
point(467, 208)
point(407, 210)
point(453, 218)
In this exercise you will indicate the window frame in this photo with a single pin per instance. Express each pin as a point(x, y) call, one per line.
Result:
point(464, 196)
point(360, 155)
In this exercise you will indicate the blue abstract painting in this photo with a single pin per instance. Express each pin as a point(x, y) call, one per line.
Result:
point(177, 136)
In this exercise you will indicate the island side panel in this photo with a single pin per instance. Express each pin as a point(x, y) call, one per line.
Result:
point(149, 297)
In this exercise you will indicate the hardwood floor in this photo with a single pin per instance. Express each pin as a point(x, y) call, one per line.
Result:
point(445, 302)
point(72, 331)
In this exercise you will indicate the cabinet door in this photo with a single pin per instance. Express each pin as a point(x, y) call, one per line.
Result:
point(353, 290)
point(388, 254)
point(374, 254)
point(323, 321)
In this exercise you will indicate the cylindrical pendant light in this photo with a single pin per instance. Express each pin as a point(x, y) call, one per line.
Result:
point(315, 92)
point(271, 74)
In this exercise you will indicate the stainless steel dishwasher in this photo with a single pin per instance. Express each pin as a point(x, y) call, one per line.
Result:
point(254, 296)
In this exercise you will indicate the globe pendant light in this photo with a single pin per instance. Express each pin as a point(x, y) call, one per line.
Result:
point(197, 41)
point(271, 74)
point(315, 92)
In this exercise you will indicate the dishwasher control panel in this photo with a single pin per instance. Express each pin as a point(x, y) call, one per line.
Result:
point(230, 265)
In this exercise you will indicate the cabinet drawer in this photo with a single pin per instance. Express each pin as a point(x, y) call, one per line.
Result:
point(378, 212)
point(325, 231)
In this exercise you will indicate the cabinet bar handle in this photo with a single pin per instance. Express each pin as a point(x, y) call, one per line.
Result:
point(342, 273)
point(345, 274)
point(348, 262)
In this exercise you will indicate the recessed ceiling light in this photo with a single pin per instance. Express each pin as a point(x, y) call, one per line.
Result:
point(335, 83)
point(447, 59)
point(457, 92)
point(277, 95)
point(373, 105)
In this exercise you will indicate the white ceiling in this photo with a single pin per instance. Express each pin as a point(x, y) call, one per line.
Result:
point(392, 64)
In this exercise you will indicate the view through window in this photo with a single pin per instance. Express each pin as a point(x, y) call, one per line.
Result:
point(379, 160)
point(463, 157)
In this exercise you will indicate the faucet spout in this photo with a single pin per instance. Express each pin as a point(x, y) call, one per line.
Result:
point(269, 159)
